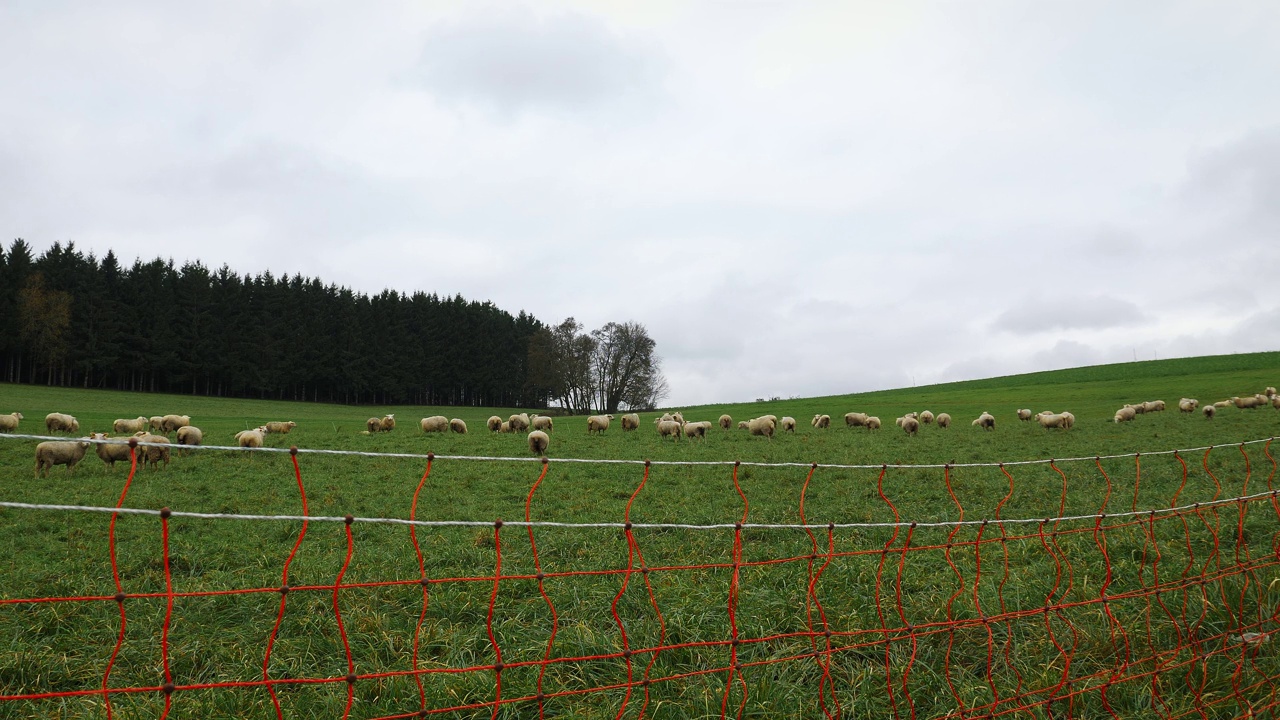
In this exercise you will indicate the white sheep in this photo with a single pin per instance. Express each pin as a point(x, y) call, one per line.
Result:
point(855, 419)
point(1188, 405)
point(538, 442)
point(59, 452)
point(494, 423)
point(60, 422)
point(1270, 392)
point(678, 417)
point(154, 422)
point(157, 451)
point(762, 426)
point(250, 438)
point(542, 422)
point(631, 421)
point(726, 422)
point(388, 423)
point(519, 422)
point(986, 421)
point(668, 428)
point(788, 424)
point(111, 450)
point(9, 423)
point(279, 427)
point(1024, 414)
point(873, 422)
point(1223, 403)
point(1064, 420)
point(598, 423)
point(373, 425)
point(1210, 411)
point(821, 421)
point(1125, 414)
point(458, 426)
point(926, 417)
point(190, 435)
point(435, 423)
point(943, 420)
point(1275, 402)
point(665, 417)
point(697, 429)
point(171, 423)
point(1255, 401)
point(743, 424)
point(127, 426)
point(909, 424)
point(505, 427)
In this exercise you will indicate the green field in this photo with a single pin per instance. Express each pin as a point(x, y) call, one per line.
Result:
point(65, 646)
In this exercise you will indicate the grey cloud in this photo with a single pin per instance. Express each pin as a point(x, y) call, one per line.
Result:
point(1245, 175)
point(1047, 309)
point(518, 60)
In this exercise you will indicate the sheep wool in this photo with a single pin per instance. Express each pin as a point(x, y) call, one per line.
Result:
point(59, 452)
point(630, 421)
point(111, 450)
point(943, 420)
point(538, 442)
point(9, 423)
point(435, 423)
point(494, 423)
point(598, 423)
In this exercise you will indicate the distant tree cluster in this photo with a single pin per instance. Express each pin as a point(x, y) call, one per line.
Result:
point(71, 319)
point(609, 369)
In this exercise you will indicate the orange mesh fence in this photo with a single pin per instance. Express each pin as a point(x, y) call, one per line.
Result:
point(1165, 611)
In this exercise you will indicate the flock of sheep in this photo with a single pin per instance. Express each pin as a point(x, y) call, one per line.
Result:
point(155, 449)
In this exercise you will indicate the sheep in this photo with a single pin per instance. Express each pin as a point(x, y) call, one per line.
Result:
point(1125, 414)
point(1024, 414)
point(494, 423)
point(154, 422)
point(1223, 403)
point(631, 421)
point(788, 424)
point(762, 426)
point(458, 426)
point(1275, 402)
point(1210, 411)
point(665, 417)
point(387, 423)
point(598, 423)
point(171, 423)
point(9, 423)
point(943, 420)
point(873, 422)
point(542, 422)
point(1188, 405)
point(821, 422)
point(668, 428)
point(1269, 392)
point(505, 427)
point(910, 425)
point(1255, 401)
point(677, 417)
point(373, 425)
point(743, 424)
point(519, 422)
point(282, 428)
point(538, 442)
point(111, 451)
point(1062, 421)
point(153, 454)
point(60, 422)
point(127, 426)
point(855, 419)
point(190, 435)
point(697, 429)
point(1151, 406)
point(726, 422)
point(249, 438)
point(987, 421)
point(59, 452)
point(926, 417)
point(435, 423)
point(1138, 409)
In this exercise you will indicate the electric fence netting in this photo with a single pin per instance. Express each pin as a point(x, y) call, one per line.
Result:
point(1112, 599)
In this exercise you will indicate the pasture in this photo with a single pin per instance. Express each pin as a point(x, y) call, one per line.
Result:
point(909, 608)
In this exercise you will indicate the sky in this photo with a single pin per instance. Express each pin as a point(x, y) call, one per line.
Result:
point(795, 198)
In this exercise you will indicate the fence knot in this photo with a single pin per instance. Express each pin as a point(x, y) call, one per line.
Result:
point(165, 513)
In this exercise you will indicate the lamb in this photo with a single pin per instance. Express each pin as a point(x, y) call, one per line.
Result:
point(387, 423)
point(909, 424)
point(458, 426)
point(631, 421)
point(821, 421)
point(282, 428)
point(543, 422)
point(987, 421)
point(250, 438)
point(926, 417)
point(155, 452)
point(762, 426)
point(1188, 405)
point(668, 428)
point(598, 423)
point(171, 423)
point(59, 422)
point(538, 442)
point(9, 423)
point(1024, 414)
point(1062, 421)
point(726, 422)
point(190, 435)
point(943, 420)
point(129, 427)
point(855, 419)
point(1210, 411)
point(1125, 414)
point(873, 422)
point(59, 452)
point(111, 451)
point(435, 423)
point(788, 424)
point(494, 423)
point(519, 422)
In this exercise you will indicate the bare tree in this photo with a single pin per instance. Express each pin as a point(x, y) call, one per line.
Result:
point(560, 361)
point(611, 368)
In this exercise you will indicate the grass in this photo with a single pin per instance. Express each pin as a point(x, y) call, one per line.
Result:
point(66, 646)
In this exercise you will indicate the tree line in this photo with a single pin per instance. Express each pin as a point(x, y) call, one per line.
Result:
point(71, 319)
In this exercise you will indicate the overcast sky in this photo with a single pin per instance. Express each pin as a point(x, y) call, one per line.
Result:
point(795, 198)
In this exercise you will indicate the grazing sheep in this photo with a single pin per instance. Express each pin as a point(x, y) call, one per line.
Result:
point(111, 451)
point(538, 442)
point(494, 423)
point(59, 452)
point(1250, 403)
point(153, 454)
point(282, 428)
point(821, 421)
point(59, 422)
point(542, 422)
point(668, 428)
point(678, 417)
point(1210, 411)
point(1275, 402)
point(598, 423)
point(743, 424)
point(855, 419)
point(1153, 406)
point(726, 422)
point(129, 427)
point(519, 422)
point(631, 421)
point(1062, 421)
point(154, 422)
point(9, 423)
point(435, 423)
point(697, 429)
point(762, 426)
point(190, 435)
point(665, 417)
point(250, 438)
point(1223, 403)
point(1269, 392)
point(926, 417)
point(873, 422)
point(788, 424)
point(943, 420)
point(909, 425)
point(373, 425)
point(387, 423)
point(458, 426)
point(1024, 414)
point(505, 427)
point(1125, 414)
point(986, 421)
point(1188, 405)
point(171, 423)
